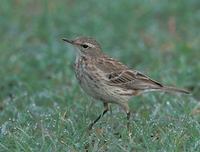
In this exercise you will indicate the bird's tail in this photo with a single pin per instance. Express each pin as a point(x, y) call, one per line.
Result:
point(173, 89)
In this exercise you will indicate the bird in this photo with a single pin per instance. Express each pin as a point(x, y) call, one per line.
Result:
point(108, 80)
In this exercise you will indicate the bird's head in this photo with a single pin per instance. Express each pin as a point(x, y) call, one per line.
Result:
point(86, 45)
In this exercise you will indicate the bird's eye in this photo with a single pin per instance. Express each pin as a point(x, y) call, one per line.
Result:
point(85, 46)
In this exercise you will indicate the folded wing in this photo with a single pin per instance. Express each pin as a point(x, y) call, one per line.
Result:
point(120, 75)
point(132, 79)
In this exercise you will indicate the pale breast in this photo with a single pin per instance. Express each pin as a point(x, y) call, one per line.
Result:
point(86, 77)
point(92, 82)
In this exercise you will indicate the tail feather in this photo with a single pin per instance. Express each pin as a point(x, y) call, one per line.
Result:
point(173, 89)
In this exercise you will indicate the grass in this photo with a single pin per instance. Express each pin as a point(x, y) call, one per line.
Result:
point(41, 105)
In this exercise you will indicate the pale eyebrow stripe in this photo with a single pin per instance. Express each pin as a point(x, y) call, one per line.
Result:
point(90, 45)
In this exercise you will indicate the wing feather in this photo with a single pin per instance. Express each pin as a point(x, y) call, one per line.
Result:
point(120, 75)
point(132, 80)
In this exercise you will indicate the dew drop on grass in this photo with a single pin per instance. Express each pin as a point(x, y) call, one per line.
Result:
point(35, 126)
point(33, 105)
point(168, 103)
point(37, 144)
point(47, 116)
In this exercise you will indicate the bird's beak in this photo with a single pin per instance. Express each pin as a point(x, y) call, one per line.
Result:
point(68, 41)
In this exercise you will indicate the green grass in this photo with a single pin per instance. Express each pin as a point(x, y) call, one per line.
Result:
point(42, 107)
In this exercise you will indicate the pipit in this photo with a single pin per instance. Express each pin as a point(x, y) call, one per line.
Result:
point(107, 80)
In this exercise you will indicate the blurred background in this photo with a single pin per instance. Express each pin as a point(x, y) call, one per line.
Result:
point(160, 39)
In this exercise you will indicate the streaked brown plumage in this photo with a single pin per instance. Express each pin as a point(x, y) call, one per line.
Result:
point(108, 80)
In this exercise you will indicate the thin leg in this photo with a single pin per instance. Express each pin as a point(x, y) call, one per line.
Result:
point(128, 120)
point(101, 115)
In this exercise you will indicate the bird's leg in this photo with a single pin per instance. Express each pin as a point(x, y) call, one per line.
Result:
point(101, 115)
point(128, 119)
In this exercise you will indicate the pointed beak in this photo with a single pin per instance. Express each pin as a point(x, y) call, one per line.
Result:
point(68, 41)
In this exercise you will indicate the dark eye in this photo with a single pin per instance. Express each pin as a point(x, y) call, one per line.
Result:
point(84, 46)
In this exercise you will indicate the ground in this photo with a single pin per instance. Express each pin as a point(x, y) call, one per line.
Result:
point(42, 107)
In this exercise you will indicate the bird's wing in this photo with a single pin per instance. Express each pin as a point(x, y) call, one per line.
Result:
point(132, 79)
point(117, 74)
point(109, 65)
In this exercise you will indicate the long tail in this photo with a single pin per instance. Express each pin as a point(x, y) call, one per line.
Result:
point(173, 89)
